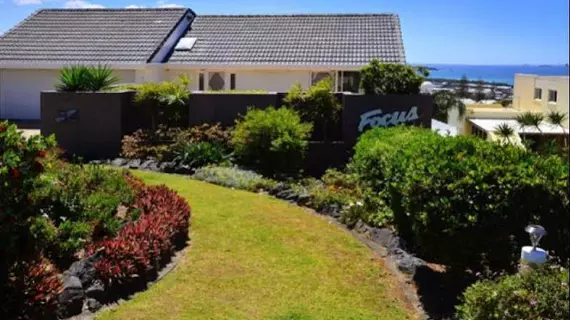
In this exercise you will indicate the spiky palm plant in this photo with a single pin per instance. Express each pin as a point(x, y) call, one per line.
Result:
point(73, 78)
point(536, 120)
point(504, 131)
point(525, 120)
point(101, 78)
point(557, 119)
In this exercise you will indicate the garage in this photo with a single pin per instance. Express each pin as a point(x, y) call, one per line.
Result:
point(20, 90)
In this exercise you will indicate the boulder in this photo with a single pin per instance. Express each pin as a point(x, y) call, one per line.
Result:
point(332, 210)
point(183, 169)
point(71, 297)
point(167, 167)
point(134, 164)
point(83, 269)
point(96, 290)
point(145, 164)
point(153, 166)
point(406, 262)
point(93, 305)
point(118, 162)
point(303, 199)
point(279, 187)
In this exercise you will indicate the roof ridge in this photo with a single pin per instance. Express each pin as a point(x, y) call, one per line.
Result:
point(301, 15)
point(114, 9)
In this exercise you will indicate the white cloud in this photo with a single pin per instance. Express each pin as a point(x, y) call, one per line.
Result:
point(163, 4)
point(79, 4)
point(27, 2)
point(134, 6)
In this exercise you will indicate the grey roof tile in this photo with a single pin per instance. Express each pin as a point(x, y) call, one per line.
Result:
point(347, 39)
point(89, 35)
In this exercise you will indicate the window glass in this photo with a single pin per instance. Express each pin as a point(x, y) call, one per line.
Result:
point(318, 76)
point(201, 82)
point(350, 81)
point(216, 81)
point(232, 81)
point(538, 93)
point(552, 95)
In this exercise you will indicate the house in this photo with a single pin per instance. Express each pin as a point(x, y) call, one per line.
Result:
point(531, 93)
point(217, 52)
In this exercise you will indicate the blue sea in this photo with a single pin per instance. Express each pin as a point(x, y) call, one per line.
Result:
point(503, 74)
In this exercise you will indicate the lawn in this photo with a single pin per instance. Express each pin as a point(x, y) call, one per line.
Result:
point(255, 257)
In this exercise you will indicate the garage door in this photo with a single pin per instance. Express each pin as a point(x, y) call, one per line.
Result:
point(20, 91)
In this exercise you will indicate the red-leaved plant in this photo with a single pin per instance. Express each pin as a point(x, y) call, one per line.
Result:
point(142, 245)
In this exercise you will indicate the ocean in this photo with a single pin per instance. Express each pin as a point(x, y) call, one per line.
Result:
point(502, 74)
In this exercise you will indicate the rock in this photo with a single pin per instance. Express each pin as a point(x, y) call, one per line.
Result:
point(118, 162)
point(134, 164)
point(167, 167)
point(96, 162)
point(332, 210)
point(96, 290)
point(153, 166)
point(93, 305)
point(406, 262)
point(303, 199)
point(83, 270)
point(183, 169)
point(278, 188)
point(71, 297)
point(146, 164)
point(287, 194)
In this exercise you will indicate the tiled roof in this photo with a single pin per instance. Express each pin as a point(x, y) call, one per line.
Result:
point(346, 39)
point(89, 35)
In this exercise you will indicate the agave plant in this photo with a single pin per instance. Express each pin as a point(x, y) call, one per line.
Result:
point(504, 131)
point(101, 78)
point(73, 78)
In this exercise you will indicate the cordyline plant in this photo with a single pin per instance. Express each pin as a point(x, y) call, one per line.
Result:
point(86, 78)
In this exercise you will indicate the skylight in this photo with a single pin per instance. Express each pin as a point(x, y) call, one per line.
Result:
point(185, 44)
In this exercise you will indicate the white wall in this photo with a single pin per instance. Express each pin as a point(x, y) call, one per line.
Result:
point(20, 90)
point(273, 81)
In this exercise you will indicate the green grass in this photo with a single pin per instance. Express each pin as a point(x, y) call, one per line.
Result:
point(254, 257)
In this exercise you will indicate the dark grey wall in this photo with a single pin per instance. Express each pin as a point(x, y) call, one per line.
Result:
point(86, 124)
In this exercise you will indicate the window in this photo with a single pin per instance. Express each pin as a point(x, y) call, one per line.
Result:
point(552, 96)
point(478, 132)
point(318, 76)
point(201, 82)
point(232, 81)
point(350, 81)
point(216, 81)
point(537, 93)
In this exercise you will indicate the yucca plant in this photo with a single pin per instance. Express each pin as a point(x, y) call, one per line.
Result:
point(504, 131)
point(85, 78)
point(74, 78)
point(524, 120)
point(101, 78)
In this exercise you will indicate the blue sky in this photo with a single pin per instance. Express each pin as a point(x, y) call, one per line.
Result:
point(438, 31)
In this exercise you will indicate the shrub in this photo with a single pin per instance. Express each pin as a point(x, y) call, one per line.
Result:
point(165, 102)
point(199, 154)
point(463, 201)
point(31, 290)
point(390, 78)
point(143, 245)
point(540, 293)
point(318, 105)
point(233, 177)
point(273, 140)
point(86, 78)
point(160, 143)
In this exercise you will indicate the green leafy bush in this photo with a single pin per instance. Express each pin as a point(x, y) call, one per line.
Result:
point(233, 177)
point(164, 102)
point(463, 201)
point(272, 140)
point(540, 293)
point(199, 154)
point(318, 105)
point(390, 78)
point(86, 78)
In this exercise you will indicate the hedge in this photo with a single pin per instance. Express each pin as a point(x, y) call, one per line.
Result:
point(463, 201)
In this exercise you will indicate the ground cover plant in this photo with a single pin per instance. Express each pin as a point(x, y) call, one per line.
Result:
point(254, 257)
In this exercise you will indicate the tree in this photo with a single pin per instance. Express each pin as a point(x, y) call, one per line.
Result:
point(536, 119)
point(505, 132)
point(390, 78)
point(463, 87)
point(557, 119)
point(443, 102)
point(525, 120)
point(479, 91)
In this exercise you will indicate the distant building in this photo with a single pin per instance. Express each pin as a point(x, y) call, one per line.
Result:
point(531, 93)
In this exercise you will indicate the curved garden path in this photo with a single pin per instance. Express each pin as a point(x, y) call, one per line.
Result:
point(255, 257)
